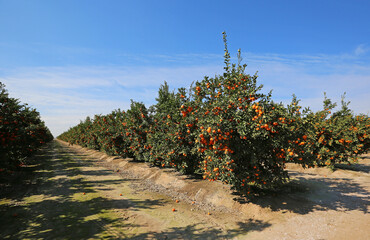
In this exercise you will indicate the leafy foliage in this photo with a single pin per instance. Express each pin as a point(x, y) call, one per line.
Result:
point(21, 131)
point(225, 128)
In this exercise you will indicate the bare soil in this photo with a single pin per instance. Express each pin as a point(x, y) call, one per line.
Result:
point(77, 193)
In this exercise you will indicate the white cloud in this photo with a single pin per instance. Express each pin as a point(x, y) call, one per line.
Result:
point(66, 95)
point(361, 49)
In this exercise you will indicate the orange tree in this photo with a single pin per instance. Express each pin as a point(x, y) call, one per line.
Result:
point(337, 137)
point(171, 137)
point(244, 138)
point(120, 138)
point(69, 136)
point(136, 124)
point(92, 133)
point(79, 134)
point(226, 129)
point(108, 135)
point(361, 129)
point(21, 131)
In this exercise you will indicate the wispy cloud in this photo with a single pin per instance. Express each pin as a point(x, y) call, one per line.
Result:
point(66, 95)
point(361, 50)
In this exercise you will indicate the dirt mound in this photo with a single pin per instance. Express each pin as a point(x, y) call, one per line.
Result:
point(317, 204)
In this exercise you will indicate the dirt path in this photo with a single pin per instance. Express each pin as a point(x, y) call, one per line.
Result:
point(52, 205)
point(73, 195)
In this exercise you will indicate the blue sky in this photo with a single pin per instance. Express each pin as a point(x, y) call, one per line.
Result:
point(72, 59)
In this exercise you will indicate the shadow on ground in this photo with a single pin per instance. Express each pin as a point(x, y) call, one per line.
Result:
point(310, 192)
point(46, 200)
point(49, 201)
point(52, 200)
point(359, 167)
point(200, 232)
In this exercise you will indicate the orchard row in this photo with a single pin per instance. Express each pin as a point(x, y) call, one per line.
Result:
point(21, 131)
point(226, 129)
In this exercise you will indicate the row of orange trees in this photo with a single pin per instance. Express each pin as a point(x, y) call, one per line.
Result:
point(21, 131)
point(226, 129)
